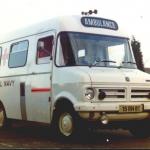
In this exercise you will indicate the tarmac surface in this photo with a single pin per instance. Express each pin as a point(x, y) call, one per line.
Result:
point(39, 137)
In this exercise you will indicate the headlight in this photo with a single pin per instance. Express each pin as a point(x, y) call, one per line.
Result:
point(89, 93)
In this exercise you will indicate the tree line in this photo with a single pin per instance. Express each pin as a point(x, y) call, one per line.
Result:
point(136, 47)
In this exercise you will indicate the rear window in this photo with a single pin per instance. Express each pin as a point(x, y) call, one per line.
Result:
point(18, 54)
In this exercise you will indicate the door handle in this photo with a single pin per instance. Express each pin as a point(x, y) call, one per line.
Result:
point(33, 73)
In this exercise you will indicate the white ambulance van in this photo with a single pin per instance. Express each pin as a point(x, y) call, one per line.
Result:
point(73, 73)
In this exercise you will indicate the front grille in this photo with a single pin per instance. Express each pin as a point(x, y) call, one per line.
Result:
point(123, 94)
point(113, 94)
point(141, 94)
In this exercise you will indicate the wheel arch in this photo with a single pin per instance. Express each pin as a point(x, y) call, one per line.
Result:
point(1, 105)
point(62, 103)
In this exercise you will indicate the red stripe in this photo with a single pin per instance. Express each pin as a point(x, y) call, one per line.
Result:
point(41, 89)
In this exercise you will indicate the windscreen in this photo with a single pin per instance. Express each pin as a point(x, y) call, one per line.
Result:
point(82, 49)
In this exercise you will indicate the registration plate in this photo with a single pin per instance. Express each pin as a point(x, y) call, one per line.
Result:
point(130, 108)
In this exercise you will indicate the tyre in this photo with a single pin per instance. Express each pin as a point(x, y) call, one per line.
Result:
point(67, 123)
point(3, 120)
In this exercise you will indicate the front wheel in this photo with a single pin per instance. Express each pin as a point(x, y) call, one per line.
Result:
point(66, 123)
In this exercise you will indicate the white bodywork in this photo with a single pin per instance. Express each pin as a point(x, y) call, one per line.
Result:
point(46, 83)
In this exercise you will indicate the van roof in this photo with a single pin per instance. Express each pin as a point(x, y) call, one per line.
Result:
point(62, 23)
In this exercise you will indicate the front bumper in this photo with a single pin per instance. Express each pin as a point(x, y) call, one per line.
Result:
point(110, 111)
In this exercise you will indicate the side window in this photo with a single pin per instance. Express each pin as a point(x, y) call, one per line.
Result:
point(65, 55)
point(18, 54)
point(44, 50)
point(0, 55)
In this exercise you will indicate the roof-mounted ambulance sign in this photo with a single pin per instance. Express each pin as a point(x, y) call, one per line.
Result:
point(99, 23)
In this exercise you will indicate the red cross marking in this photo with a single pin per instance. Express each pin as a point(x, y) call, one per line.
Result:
point(5, 56)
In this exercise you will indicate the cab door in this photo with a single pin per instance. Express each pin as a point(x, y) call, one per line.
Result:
point(39, 82)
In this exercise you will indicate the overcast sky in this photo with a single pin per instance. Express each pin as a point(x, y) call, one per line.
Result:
point(132, 15)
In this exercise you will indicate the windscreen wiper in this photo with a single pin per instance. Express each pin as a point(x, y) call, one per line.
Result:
point(108, 61)
point(128, 62)
point(99, 61)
